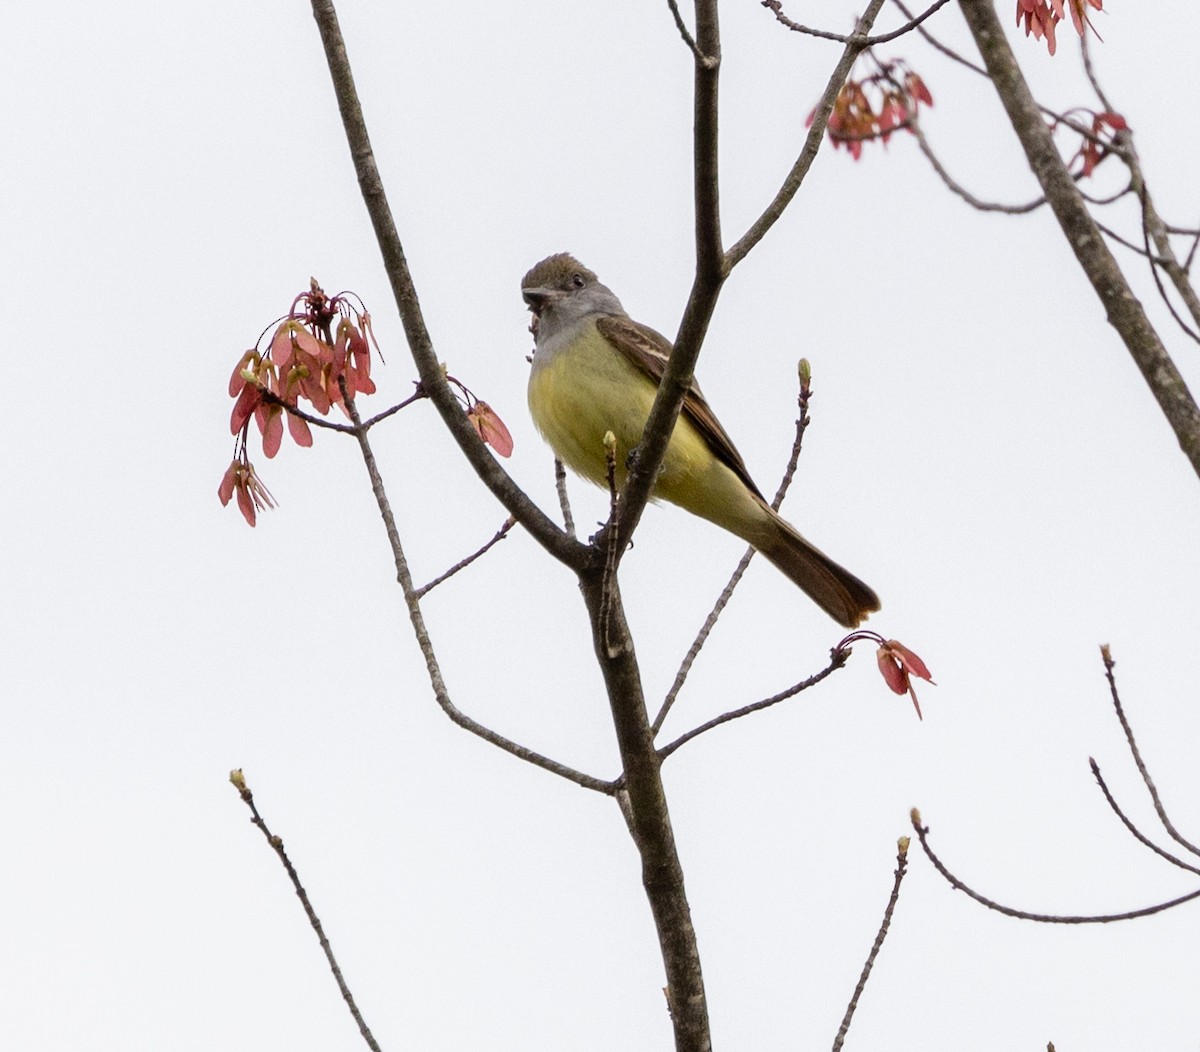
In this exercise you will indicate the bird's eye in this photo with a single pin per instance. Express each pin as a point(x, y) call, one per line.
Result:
point(577, 280)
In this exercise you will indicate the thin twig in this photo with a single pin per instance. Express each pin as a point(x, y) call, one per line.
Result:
point(802, 421)
point(777, 8)
point(1150, 216)
point(855, 44)
point(610, 539)
point(1126, 243)
point(707, 61)
point(910, 25)
point(837, 660)
point(1137, 833)
point(710, 623)
point(271, 398)
point(1187, 263)
point(1106, 656)
point(1111, 199)
point(239, 782)
point(961, 191)
point(1043, 918)
point(432, 666)
point(937, 45)
point(901, 869)
point(416, 396)
point(501, 533)
point(1086, 52)
point(560, 484)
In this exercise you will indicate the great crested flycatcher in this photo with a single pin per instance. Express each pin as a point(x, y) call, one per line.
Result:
point(595, 369)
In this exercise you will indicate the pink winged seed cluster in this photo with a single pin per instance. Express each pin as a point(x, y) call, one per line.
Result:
point(874, 107)
point(319, 353)
point(897, 664)
point(1041, 17)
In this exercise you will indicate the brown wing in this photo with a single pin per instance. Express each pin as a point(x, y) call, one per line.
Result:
point(649, 351)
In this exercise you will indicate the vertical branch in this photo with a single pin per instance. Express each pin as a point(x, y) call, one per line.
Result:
point(644, 805)
point(1125, 313)
point(705, 168)
point(710, 275)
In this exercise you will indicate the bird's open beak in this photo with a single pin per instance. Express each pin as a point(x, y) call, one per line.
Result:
point(537, 299)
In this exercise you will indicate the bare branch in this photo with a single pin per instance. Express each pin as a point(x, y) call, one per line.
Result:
point(837, 659)
point(646, 459)
point(693, 652)
point(710, 622)
point(885, 924)
point(855, 45)
point(1124, 312)
point(417, 395)
point(608, 582)
point(961, 191)
point(432, 667)
point(642, 798)
point(1187, 263)
point(1168, 825)
point(429, 369)
point(462, 564)
point(239, 783)
point(271, 398)
point(1043, 918)
point(937, 45)
point(777, 8)
point(1111, 199)
point(1153, 228)
point(1138, 835)
point(704, 60)
point(560, 484)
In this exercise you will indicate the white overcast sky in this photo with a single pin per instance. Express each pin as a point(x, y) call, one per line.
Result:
point(983, 452)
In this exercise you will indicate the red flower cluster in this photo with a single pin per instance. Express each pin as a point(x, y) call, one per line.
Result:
point(874, 107)
point(1041, 17)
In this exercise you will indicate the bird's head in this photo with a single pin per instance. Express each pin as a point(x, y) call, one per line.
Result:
point(561, 291)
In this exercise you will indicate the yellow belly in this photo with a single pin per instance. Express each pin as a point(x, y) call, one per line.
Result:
point(588, 388)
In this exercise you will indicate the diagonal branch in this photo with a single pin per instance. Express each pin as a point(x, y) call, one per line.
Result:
point(1136, 833)
point(1125, 313)
point(540, 526)
point(1044, 918)
point(739, 571)
point(963, 192)
point(687, 37)
point(462, 564)
point(432, 666)
point(776, 7)
point(276, 843)
point(836, 660)
point(855, 45)
point(885, 924)
point(1168, 825)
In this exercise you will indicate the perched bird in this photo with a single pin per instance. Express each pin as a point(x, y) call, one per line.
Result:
point(595, 369)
